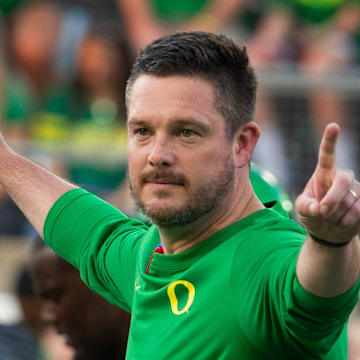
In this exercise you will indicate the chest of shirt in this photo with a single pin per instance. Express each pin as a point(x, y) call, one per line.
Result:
point(186, 314)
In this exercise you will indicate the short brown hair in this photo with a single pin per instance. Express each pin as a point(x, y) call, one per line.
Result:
point(214, 58)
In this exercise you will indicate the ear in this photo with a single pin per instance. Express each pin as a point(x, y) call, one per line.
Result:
point(244, 143)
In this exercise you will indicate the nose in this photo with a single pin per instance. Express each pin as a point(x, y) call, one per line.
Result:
point(162, 154)
point(49, 313)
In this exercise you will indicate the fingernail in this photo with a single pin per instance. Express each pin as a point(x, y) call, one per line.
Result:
point(323, 210)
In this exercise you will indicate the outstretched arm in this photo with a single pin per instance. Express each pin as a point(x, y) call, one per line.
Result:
point(329, 208)
point(32, 188)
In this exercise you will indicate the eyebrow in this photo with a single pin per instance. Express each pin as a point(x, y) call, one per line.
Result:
point(136, 122)
point(176, 123)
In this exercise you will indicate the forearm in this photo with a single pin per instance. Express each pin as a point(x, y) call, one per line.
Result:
point(328, 271)
point(32, 188)
point(225, 9)
point(140, 21)
point(215, 16)
point(329, 208)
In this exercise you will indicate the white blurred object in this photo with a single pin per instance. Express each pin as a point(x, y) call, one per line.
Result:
point(10, 311)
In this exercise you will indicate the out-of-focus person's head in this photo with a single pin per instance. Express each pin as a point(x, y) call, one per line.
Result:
point(103, 59)
point(211, 57)
point(30, 304)
point(34, 35)
point(95, 328)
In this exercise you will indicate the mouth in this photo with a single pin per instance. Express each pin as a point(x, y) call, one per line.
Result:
point(162, 182)
point(68, 338)
point(166, 179)
point(158, 180)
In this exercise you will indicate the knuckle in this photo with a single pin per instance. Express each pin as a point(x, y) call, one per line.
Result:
point(299, 202)
point(347, 201)
point(352, 216)
point(356, 208)
point(346, 221)
point(345, 178)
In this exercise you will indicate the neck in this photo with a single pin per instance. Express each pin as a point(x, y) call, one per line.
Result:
point(233, 208)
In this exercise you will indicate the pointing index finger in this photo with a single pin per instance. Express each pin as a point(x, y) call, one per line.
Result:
point(326, 159)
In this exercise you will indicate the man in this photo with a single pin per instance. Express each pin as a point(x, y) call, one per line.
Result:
point(230, 279)
point(92, 326)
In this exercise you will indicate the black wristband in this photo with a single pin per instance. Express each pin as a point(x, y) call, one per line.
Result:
point(328, 243)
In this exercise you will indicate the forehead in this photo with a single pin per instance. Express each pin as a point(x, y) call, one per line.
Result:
point(177, 96)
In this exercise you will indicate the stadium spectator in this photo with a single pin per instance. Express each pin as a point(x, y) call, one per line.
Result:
point(12, 222)
point(7, 7)
point(146, 20)
point(77, 17)
point(23, 335)
point(92, 326)
point(96, 109)
point(317, 39)
point(30, 77)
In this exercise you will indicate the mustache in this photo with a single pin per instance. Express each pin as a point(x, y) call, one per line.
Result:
point(163, 177)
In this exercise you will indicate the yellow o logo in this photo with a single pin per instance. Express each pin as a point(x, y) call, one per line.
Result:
point(173, 299)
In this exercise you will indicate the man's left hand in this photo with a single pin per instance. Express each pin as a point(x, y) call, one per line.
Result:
point(329, 207)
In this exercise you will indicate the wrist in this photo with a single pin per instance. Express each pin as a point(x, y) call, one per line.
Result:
point(328, 243)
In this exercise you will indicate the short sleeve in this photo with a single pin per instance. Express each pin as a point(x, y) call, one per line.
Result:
point(274, 309)
point(98, 240)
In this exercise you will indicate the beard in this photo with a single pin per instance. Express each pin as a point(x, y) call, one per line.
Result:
point(206, 197)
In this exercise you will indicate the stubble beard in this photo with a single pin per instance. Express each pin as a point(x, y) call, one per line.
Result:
point(204, 199)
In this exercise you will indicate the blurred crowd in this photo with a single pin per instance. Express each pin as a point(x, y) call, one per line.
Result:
point(64, 65)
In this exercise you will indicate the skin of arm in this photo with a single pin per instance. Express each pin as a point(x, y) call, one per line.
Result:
point(33, 189)
point(329, 210)
point(215, 16)
point(141, 23)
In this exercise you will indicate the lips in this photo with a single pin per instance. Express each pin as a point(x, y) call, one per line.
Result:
point(163, 182)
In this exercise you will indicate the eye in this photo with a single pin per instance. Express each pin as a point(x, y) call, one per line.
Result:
point(141, 132)
point(187, 133)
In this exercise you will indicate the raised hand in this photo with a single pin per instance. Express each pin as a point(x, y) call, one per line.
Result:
point(329, 207)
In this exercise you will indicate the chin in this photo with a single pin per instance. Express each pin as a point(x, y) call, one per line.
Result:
point(162, 206)
point(171, 217)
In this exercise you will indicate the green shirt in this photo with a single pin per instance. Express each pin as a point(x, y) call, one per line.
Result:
point(233, 296)
point(269, 191)
point(7, 7)
point(313, 11)
point(177, 10)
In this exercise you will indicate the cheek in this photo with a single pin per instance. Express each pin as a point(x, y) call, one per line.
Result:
point(136, 164)
point(202, 165)
point(72, 306)
point(132, 172)
point(209, 167)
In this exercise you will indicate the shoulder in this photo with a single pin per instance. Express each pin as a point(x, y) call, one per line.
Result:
point(270, 233)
